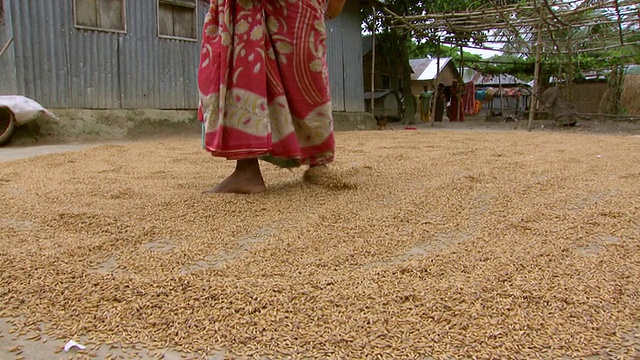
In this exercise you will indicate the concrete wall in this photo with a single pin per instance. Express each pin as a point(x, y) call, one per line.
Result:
point(88, 125)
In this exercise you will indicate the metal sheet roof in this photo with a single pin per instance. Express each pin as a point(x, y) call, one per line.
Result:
point(480, 79)
point(427, 69)
point(378, 94)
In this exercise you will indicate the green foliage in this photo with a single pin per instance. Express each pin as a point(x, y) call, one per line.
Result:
point(505, 64)
point(573, 66)
point(523, 68)
point(428, 49)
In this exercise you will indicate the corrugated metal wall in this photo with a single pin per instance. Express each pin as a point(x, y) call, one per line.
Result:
point(170, 74)
point(61, 66)
point(64, 67)
point(8, 81)
point(344, 57)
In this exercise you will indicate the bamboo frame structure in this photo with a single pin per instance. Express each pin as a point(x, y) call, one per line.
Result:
point(519, 26)
point(500, 22)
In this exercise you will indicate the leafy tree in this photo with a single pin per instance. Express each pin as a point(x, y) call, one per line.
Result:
point(395, 42)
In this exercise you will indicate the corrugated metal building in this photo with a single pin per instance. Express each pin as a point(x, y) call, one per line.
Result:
point(134, 54)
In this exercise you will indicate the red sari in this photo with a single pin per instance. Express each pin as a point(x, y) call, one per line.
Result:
point(263, 81)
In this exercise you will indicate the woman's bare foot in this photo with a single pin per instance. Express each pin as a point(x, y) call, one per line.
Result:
point(246, 179)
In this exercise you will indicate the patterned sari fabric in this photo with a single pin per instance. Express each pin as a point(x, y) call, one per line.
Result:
point(263, 81)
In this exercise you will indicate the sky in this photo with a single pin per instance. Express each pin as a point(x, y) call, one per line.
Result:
point(484, 53)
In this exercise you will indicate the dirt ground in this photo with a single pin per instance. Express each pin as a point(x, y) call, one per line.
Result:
point(587, 125)
point(459, 240)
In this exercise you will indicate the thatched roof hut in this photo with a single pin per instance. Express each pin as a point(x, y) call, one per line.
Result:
point(631, 92)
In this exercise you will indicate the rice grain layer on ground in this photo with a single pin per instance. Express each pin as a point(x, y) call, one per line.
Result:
point(444, 244)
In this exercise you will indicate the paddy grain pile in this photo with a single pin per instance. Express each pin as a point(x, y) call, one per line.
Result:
point(443, 244)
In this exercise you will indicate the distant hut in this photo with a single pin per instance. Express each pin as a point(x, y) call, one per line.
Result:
point(426, 72)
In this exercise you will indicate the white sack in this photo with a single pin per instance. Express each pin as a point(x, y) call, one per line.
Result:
point(25, 109)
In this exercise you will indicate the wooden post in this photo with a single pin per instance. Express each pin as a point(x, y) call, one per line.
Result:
point(373, 63)
point(6, 46)
point(501, 96)
point(435, 84)
point(536, 78)
point(460, 84)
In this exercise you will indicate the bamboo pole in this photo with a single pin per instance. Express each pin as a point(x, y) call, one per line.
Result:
point(488, 14)
point(620, 31)
point(570, 70)
point(536, 85)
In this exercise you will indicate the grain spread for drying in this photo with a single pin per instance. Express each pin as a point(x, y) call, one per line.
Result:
point(413, 244)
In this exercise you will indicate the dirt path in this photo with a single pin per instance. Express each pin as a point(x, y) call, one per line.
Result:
point(15, 153)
